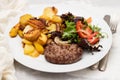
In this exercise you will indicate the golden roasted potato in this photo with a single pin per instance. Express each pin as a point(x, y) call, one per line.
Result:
point(32, 35)
point(39, 47)
point(49, 12)
point(24, 19)
point(56, 19)
point(13, 32)
point(35, 53)
point(42, 39)
point(26, 41)
point(20, 33)
point(28, 49)
point(52, 27)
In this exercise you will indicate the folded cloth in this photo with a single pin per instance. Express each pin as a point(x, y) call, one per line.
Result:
point(8, 9)
point(6, 64)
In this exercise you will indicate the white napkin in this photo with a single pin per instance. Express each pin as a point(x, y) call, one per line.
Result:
point(6, 61)
point(8, 9)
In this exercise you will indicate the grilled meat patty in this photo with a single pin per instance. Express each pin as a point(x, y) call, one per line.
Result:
point(62, 54)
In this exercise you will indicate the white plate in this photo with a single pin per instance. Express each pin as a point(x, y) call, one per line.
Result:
point(40, 63)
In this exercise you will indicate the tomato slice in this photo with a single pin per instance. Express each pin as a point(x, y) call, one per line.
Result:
point(88, 30)
point(83, 33)
point(86, 33)
point(93, 40)
point(79, 27)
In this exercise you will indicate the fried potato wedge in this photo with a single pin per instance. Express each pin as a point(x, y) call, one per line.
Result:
point(20, 33)
point(26, 41)
point(49, 12)
point(42, 39)
point(32, 35)
point(52, 27)
point(39, 47)
point(28, 49)
point(56, 19)
point(14, 31)
point(24, 19)
point(34, 54)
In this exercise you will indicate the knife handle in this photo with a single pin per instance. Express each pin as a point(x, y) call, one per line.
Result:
point(103, 63)
point(94, 66)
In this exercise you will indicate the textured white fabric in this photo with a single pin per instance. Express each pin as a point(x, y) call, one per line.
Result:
point(8, 9)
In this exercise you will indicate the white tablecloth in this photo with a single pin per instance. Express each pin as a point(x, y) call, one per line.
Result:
point(112, 72)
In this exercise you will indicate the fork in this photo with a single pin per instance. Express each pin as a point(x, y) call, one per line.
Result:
point(102, 64)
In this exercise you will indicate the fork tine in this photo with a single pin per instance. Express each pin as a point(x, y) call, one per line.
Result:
point(113, 28)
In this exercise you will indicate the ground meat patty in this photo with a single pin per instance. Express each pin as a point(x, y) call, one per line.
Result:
point(62, 54)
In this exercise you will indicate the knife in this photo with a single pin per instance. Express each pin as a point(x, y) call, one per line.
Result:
point(103, 62)
point(101, 65)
